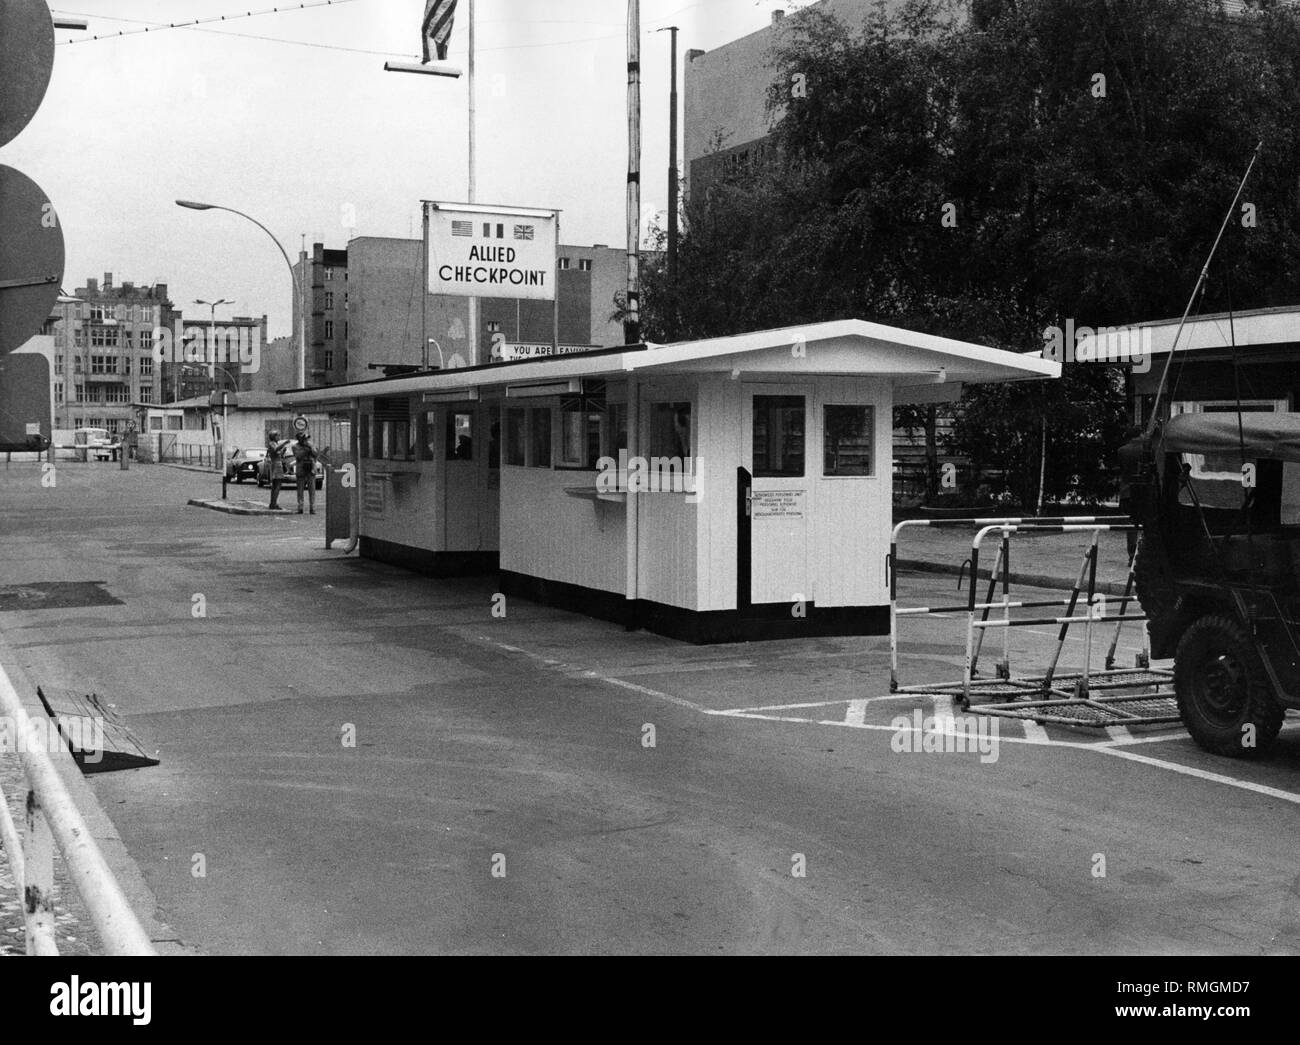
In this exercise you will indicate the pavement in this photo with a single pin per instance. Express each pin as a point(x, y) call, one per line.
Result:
point(359, 760)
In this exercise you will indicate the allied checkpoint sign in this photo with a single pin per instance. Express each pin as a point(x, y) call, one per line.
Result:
point(479, 251)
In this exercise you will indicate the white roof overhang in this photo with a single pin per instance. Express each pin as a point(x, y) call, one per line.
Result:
point(850, 347)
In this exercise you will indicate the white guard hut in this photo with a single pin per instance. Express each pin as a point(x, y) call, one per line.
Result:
point(720, 490)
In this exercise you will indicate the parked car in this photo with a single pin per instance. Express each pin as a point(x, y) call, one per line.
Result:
point(244, 464)
point(96, 443)
point(291, 471)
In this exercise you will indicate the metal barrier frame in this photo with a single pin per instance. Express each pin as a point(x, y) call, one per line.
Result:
point(1086, 582)
point(52, 819)
point(1004, 551)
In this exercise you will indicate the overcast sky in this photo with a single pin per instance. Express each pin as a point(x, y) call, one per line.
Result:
point(312, 137)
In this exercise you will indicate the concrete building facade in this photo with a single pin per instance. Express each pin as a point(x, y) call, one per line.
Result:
point(323, 277)
point(225, 338)
point(724, 94)
point(104, 352)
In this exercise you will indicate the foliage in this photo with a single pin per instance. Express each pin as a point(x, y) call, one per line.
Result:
point(1074, 196)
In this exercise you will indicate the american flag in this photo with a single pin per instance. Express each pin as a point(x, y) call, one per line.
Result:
point(462, 228)
point(438, 15)
point(524, 231)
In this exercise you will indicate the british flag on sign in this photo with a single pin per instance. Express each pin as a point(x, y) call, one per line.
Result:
point(438, 15)
point(524, 231)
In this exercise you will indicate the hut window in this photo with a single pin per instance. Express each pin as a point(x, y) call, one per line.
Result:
point(424, 435)
point(460, 436)
point(392, 434)
point(494, 437)
point(616, 432)
point(363, 435)
point(539, 438)
point(395, 440)
point(848, 441)
point(580, 437)
point(515, 438)
point(778, 436)
point(670, 430)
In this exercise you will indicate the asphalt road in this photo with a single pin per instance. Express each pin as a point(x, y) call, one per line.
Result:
point(360, 760)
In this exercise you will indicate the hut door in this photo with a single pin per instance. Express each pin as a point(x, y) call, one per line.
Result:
point(775, 420)
point(462, 494)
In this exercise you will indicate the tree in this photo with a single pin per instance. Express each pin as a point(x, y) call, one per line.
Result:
point(989, 170)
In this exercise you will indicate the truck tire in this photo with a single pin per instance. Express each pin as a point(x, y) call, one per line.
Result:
point(1224, 695)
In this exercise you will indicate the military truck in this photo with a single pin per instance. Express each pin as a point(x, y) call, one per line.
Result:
point(1217, 496)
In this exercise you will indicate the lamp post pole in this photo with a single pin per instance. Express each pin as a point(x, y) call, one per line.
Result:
point(297, 282)
point(672, 163)
point(212, 334)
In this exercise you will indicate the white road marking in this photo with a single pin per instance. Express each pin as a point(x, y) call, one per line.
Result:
point(582, 673)
point(1119, 733)
point(856, 714)
point(1035, 732)
point(1200, 774)
point(825, 703)
point(943, 717)
point(1035, 735)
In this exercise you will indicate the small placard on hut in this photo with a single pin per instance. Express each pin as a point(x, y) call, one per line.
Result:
point(778, 504)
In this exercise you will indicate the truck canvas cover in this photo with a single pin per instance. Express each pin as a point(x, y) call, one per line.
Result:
point(1273, 436)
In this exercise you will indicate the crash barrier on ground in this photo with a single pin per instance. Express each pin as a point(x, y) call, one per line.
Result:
point(1086, 697)
point(52, 820)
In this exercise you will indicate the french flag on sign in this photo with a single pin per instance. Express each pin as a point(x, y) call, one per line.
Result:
point(438, 15)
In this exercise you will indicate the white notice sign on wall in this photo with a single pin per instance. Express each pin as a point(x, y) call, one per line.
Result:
point(778, 504)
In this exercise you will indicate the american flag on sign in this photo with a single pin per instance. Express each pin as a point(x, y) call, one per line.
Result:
point(438, 15)
point(462, 228)
point(524, 231)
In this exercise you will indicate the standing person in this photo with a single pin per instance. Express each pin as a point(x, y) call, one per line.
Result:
point(275, 449)
point(304, 456)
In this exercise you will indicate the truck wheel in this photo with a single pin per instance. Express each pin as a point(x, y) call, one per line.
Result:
point(1224, 695)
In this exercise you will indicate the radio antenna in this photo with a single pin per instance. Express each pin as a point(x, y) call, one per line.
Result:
point(1200, 282)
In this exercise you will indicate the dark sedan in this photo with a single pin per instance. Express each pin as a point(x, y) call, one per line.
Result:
point(244, 464)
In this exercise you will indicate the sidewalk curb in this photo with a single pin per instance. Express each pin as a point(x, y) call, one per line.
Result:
point(102, 829)
point(233, 509)
point(1030, 580)
point(191, 468)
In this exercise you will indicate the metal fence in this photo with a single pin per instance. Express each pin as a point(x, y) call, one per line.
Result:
point(53, 821)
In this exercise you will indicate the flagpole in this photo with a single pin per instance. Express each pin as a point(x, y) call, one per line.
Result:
point(473, 302)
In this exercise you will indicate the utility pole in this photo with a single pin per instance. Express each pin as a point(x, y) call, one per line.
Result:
point(672, 163)
point(632, 318)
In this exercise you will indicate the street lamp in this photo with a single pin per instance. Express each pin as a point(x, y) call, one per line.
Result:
point(212, 330)
point(297, 283)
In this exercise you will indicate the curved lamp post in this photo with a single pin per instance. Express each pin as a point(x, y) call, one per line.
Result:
point(297, 285)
